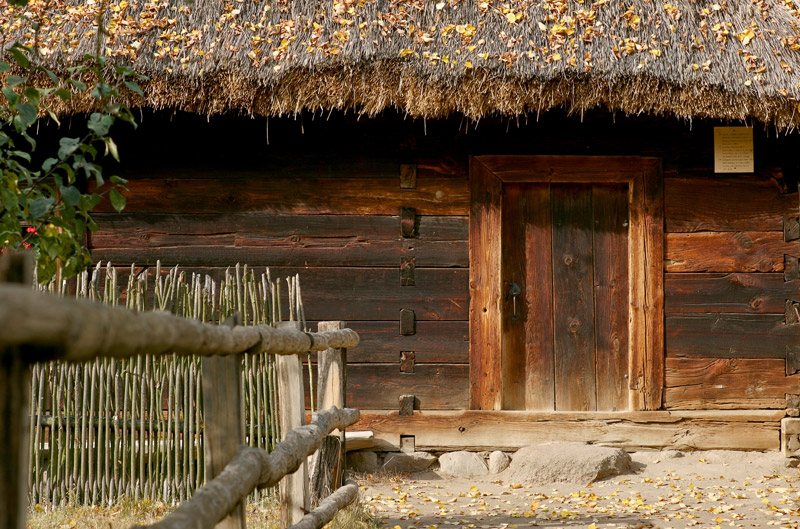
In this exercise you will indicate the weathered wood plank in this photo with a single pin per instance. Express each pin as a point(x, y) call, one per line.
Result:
point(485, 232)
point(510, 430)
point(436, 386)
point(435, 342)
point(727, 383)
point(729, 335)
point(282, 196)
point(754, 251)
point(294, 493)
point(573, 300)
point(726, 204)
point(223, 417)
point(587, 169)
point(653, 232)
point(758, 293)
point(610, 248)
point(539, 349)
point(277, 240)
point(515, 311)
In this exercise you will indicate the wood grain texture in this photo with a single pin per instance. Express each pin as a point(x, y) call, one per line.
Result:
point(727, 383)
point(485, 232)
point(437, 342)
point(515, 310)
point(756, 293)
point(752, 251)
point(539, 351)
point(223, 418)
point(294, 493)
point(436, 386)
point(510, 430)
point(610, 249)
point(281, 196)
point(277, 240)
point(726, 204)
point(573, 297)
point(653, 247)
point(586, 169)
point(729, 335)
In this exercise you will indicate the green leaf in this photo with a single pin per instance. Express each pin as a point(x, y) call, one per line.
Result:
point(40, 206)
point(27, 114)
point(63, 93)
point(48, 164)
point(9, 198)
point(80, 85)
point(100, 123)
point(117, 200)
point(14, 80)
point(20, 3)
point(17, 55)
point(117, 180)
point(4, 67)
point(10, 95)
point(68, 146)
point(134, 87)
point(70, 195)
point(34, 95)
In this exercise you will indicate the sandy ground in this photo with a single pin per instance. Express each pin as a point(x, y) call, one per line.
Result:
point(713, 489)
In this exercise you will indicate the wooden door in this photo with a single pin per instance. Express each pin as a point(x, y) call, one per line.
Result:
point(565, 305)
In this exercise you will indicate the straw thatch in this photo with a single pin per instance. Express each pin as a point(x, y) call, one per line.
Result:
point(734, 59)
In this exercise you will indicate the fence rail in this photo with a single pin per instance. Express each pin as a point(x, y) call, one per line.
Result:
point(39, 326)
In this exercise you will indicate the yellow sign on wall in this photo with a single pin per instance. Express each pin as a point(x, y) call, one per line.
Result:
point(733, 150)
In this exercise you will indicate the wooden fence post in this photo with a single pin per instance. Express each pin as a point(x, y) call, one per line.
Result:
point(15, 383)
point(291, 415)
point(327, 466)
point(222, 417)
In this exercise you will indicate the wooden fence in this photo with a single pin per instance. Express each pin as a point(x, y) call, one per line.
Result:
point(108, 428)
point(39, 327)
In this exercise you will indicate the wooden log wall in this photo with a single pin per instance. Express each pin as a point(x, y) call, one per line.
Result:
point(373, 213)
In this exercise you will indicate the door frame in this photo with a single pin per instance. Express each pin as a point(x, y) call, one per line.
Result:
point(487, 174)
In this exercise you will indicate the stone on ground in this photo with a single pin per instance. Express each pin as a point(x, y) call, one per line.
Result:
point(362, 461)
point(407, 462)
point(498, 462)
point(567, 462)
point(462, 464)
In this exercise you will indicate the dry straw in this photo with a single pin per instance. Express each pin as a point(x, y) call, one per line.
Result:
point(108, 429)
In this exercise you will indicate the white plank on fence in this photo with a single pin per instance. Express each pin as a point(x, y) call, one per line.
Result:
point(291, 414)
point(222, 412)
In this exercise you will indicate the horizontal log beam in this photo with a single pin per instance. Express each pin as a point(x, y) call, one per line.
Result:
point(79, 330)
point(254, 467)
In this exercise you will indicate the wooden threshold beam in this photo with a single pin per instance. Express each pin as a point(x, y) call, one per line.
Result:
point(509, 430)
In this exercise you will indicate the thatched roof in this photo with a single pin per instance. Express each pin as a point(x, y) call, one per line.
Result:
point(689, 58)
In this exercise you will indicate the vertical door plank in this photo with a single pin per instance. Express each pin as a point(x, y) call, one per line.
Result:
point(539, 356)
point(610, 205)
point(573, 305)
point(485, 331)
point(654, 294)
point(514, 264)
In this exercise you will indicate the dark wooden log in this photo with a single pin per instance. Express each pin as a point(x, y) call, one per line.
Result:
point(342, 196)
point(725, 204)
point(437, 342)
point(727, 252)
point(222, 418)
point(730, 335)
point(727, 383)
point(277, 240)
point(610, 248)
point(573, 306)
point(15, 384)
point(436, 386)
point(742, 293)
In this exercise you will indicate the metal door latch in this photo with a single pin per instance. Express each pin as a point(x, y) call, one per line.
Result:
point(514, 291)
